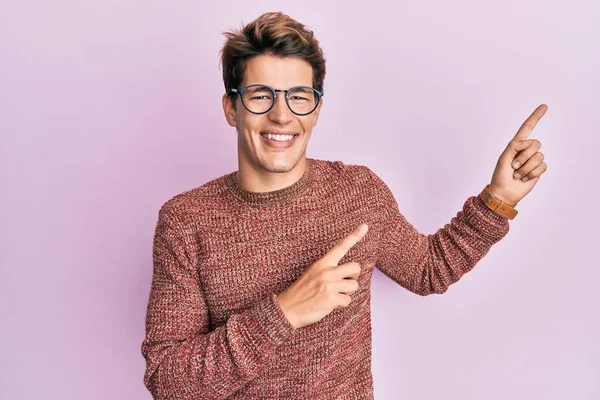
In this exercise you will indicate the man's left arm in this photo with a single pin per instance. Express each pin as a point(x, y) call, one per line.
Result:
point(427, 264)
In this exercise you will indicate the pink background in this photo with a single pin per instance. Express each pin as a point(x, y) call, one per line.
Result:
point(107, 109)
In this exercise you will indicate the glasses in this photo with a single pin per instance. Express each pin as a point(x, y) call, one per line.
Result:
point(260, 99)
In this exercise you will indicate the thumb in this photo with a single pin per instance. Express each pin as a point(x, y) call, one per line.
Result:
point(518, 145)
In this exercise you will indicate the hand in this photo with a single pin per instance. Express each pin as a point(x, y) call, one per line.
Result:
point(324, 286)
point(510, 182)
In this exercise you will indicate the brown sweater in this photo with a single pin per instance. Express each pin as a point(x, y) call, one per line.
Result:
point(214, 329)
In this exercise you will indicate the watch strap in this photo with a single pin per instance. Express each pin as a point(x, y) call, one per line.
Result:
point(497, 205)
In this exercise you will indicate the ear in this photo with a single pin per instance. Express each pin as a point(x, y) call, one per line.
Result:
point(318, 111)
point(229, 110)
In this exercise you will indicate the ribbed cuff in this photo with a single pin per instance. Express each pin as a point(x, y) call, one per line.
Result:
point(267, 324)
point(493, 225)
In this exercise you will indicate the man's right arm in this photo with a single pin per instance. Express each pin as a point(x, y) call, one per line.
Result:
point(183, 358)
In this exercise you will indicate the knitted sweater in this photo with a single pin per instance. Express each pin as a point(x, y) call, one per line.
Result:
point(214, 328)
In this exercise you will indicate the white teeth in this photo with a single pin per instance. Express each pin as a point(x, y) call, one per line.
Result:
point(279, 138)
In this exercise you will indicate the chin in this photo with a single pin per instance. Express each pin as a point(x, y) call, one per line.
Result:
point(281, 165)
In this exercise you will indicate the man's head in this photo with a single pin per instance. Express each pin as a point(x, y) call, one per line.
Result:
point(280, 53)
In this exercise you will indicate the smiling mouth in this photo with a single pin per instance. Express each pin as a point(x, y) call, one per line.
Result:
point(279, 141)
point(279, 137)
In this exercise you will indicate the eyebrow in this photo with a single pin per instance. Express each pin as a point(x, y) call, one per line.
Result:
point(257, 88)
point(305, 90)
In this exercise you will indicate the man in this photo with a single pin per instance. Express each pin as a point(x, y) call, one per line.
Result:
point(262, 276)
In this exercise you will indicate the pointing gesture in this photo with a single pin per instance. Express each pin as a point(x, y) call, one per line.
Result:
point(337, 252)
point(324, 286)
point(521, 164)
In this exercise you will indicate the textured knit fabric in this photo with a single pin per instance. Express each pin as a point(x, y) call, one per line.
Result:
point(214, 328)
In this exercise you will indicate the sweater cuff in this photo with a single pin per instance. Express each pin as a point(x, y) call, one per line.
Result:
point(269, 322)
point(493, 225)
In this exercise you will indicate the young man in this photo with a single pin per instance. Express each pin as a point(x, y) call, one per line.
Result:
point(262, 276)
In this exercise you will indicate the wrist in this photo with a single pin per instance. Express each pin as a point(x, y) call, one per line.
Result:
point(494, 191)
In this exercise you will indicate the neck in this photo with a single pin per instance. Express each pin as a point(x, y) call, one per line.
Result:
point(259, 180)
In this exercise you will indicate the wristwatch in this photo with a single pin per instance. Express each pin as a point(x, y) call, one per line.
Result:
point(497, 205)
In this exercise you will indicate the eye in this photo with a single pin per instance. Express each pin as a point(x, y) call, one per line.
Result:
point(301, 95)
point(261, 97)
point(258, 93)
point(296, 97)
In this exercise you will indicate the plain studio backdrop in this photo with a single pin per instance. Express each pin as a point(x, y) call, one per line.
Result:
point(109, 108)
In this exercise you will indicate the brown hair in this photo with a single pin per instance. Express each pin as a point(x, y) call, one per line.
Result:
point(271, 33)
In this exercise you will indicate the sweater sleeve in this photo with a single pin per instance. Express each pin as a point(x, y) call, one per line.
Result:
point(184, 358)
point(427, 264)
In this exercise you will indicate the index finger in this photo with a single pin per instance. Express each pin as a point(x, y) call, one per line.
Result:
point(531, 122)
point(338, 251)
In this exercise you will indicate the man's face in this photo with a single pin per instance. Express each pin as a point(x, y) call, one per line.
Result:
point(254, 148)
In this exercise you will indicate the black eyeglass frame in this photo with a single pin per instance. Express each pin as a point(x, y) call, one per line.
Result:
point(241, 91)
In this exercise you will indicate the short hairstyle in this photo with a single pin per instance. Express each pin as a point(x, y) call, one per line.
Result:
point(273, 33)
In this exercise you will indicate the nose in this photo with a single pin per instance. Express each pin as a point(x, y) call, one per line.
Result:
point(280, 113)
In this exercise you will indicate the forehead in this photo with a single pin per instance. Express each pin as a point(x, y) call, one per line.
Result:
point(277, 72)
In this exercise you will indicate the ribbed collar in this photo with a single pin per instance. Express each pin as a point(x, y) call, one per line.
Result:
point(274, 197)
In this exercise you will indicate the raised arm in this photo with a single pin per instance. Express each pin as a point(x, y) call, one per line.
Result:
point(427, 264)
point(185, 360)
